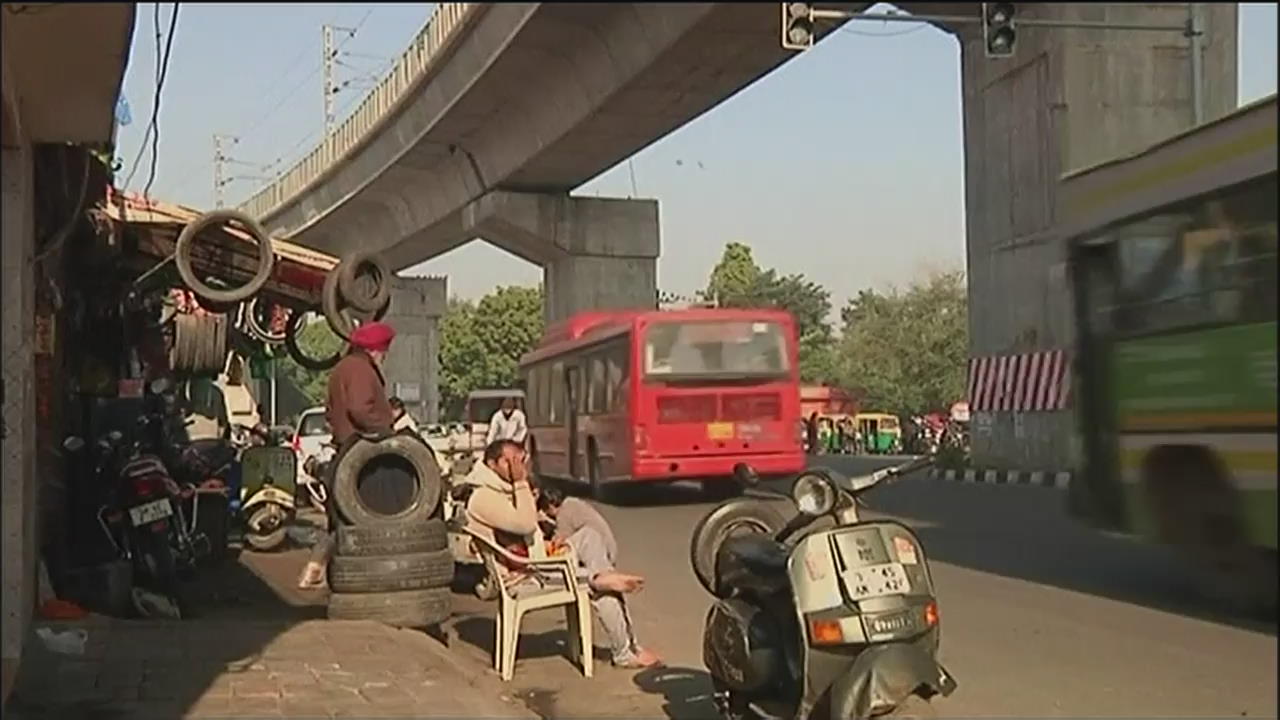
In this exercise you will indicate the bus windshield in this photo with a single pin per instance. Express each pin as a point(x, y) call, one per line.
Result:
point(715, 348)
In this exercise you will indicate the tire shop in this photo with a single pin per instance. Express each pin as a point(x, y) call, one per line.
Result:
point(148, 316)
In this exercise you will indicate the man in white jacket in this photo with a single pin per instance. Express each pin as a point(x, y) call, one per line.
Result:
point(508, 423)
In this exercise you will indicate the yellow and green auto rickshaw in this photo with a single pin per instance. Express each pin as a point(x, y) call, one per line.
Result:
point(880, 433)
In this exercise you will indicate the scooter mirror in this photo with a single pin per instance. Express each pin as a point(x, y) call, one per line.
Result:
point(73, 443)
point(746, 475)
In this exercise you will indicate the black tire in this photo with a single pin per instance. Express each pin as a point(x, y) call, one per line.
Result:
point(160, 568)
point(342, 318)
point(182, 252)
point(391, 573)
point(346, 496)
point(720, 523)
point(407, 608)
point(259, 330)
point(296, 322)
point(377, 540)
point(199, 344)
point(364, 280)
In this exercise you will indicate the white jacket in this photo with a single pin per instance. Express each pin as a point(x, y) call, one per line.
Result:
point(507, 428)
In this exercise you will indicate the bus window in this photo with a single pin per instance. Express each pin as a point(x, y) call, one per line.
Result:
point(715, 348)
point(597, 390)
point(556, 408)
point(617, 361)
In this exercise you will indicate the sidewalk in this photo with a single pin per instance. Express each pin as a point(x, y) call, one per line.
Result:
point(205, 669)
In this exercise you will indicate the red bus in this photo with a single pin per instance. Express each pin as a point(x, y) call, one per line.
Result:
point(660, 396)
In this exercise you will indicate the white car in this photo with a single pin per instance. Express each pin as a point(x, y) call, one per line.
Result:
point(311, 437)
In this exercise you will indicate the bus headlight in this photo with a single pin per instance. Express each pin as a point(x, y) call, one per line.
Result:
point(813, 494)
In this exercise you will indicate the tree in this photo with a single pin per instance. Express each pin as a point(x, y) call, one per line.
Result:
point(737, 281)
point(481, 343)
point(907, 352)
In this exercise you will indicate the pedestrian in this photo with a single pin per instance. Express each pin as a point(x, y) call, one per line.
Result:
point(357, 404)
point(811, 434)
point(508, 423)
point(502, 507)
point(403, 419)
point(583, 528)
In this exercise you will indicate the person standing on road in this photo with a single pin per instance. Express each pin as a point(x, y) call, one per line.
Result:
point(357, 404)
point(508, 423)
point(403, 419)
point(502, 507)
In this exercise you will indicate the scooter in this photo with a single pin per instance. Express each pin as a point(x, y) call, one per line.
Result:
point(269, 477)
point(838, 622)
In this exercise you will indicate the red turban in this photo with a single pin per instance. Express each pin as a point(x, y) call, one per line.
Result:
point(374, 337)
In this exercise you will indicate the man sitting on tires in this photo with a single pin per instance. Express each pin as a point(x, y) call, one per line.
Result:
point(357, 405)
point(502, 507)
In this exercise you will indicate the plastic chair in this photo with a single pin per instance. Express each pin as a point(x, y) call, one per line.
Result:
point(571, 596)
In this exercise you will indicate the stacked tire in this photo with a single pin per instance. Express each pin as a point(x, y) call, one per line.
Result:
point(395, 569)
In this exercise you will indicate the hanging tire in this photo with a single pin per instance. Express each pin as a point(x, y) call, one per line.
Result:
point(263, 331)
point(296, 322)
point(364, 281)
point(346, 476)
point(407, 608)
point(342, 319)
point(371, 541)
point(391, 573)
point(721, 523)
point(186, 240)
point(199, 344)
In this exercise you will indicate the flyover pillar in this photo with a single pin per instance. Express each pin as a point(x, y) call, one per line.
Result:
point(412, 366)
point(1068, 99)
point(596, 253)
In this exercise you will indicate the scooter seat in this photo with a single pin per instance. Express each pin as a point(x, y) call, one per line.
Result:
point(757, 553)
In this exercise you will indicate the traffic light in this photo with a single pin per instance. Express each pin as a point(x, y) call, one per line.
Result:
point(999, 33)
point(797, 26)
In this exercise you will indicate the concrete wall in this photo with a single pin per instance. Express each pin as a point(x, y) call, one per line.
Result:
point(18, 447)
point(412, 366)
point(1068, 99)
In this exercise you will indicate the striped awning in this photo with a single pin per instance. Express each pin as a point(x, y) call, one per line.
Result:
point(1036, 381)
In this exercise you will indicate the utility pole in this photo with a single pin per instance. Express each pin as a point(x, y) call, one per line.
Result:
point(330, 83)
point(219, 166)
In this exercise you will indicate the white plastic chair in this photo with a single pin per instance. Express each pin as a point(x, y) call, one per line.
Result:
point(571, 596)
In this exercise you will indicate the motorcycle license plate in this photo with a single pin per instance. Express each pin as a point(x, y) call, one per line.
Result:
point(150, 512)
point(871, 581)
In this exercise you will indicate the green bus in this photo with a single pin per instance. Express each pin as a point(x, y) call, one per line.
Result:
point(1172, 260)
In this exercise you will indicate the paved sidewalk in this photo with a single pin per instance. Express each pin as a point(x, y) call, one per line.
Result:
point(215, 669)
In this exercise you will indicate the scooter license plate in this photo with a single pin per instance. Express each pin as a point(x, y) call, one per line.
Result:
point(871, 581)
point(150, 512)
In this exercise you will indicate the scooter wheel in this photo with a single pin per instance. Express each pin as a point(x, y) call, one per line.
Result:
point(267, 542)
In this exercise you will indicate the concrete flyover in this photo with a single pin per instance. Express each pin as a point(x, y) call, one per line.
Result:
point(497, 112)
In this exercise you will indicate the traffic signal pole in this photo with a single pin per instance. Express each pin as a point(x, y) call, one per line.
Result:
point(1192, 29)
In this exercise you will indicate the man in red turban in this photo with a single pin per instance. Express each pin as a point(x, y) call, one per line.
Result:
point(357, 404)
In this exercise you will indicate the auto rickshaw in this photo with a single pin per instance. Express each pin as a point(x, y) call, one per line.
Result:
point(881, 433)
point(835, 441)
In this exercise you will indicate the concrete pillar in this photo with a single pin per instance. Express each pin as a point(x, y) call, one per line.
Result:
point(412, 366)
point(1067, 100)
point(17, 456)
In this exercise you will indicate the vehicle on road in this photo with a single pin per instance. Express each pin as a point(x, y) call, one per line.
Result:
point(660, 396)
point(268, 483)
point(839, 622)
point(880, 433)
point(1172, 256)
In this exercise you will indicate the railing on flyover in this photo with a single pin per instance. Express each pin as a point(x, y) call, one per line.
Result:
point(411, 65)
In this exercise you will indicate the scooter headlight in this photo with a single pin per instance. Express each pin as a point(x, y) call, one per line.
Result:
point(813, 494)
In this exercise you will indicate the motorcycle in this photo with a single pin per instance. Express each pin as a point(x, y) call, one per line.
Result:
point(840, 621)
point(268, 483)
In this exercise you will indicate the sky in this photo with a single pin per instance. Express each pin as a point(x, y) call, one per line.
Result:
point(846, 164)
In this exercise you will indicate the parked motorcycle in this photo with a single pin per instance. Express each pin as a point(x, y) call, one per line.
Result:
point(840, 621)
point(269, 478)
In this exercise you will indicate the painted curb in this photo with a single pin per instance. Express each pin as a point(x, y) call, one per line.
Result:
point(1037, 478)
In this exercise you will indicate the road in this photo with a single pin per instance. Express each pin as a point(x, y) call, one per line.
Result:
point(1040, 617)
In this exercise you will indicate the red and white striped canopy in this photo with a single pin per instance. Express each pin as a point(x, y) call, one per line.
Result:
point(1034, 381)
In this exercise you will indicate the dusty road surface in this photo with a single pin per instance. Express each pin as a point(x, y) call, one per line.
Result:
point(1041, 618)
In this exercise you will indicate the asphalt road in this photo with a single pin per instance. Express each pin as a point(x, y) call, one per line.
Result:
point(1041, 617)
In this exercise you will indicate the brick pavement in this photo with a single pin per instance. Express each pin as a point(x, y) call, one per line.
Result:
point(261, 669)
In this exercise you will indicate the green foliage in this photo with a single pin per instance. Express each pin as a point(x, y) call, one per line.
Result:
point(315, 340)
point(907, 352)
point(481, 343)
point(737, 281)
